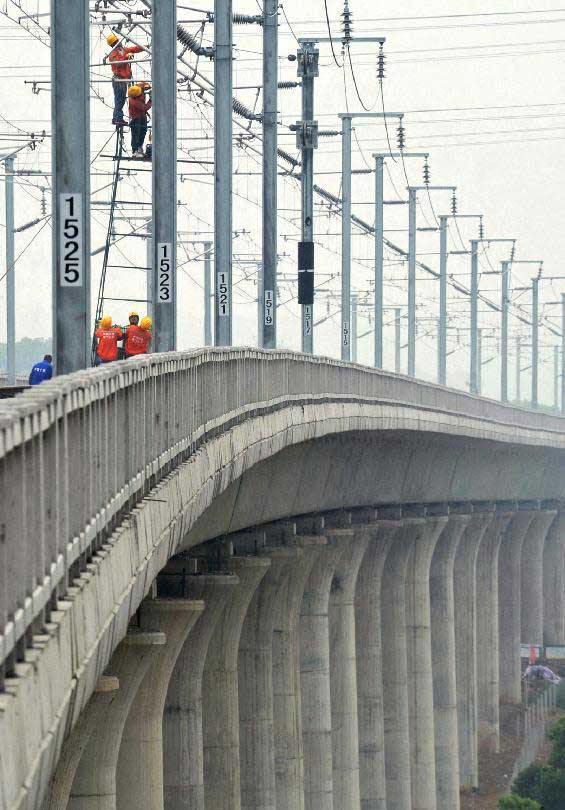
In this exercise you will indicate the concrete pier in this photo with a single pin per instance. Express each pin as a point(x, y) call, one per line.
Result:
point(287, 715)
point(395, 679)
point(140, 761)
point(554, 583)
point(531, 611)
point(488, 678)
point(466, 648)
point(220, 702)
point(315, 675)
point(183, 745)
point(442, 620)
point(372, 781)
point(509, 601)
point(343, 673)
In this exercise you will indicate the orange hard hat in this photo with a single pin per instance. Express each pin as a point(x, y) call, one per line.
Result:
point(146, 323)
point(111, 39)
point(106, 322)
point(134, 91)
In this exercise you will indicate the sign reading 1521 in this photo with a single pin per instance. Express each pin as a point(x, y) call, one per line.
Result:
point(164, 258)
point(70, 240)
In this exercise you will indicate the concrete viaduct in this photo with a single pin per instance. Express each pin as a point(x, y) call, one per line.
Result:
point(243, 580)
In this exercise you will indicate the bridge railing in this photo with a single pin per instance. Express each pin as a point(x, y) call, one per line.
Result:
point(78, 452)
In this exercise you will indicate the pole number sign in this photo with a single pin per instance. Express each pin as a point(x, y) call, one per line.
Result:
point(307, 320)
point(164, 288)
point(71, 271)
point(223, 295)
point(268, 307)
point(345, 334)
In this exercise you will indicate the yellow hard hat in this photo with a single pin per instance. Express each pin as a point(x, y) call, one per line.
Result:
point(134, 91)
point(133, 315)
point(106, 322)
point(111, 39)
point(146, 323)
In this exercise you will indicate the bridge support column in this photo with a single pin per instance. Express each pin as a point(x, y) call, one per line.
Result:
point(59, 791)
point(531, 610)
point(315, 676)
point(182, 719)
point(419, 665)
point(372, 784)
point(220, 705)
point(255, 681)
point(395, 685)
point(94, 783)
point(140, 761)
point(442, 616)
point(289, 754)
point(487, 633)
point(509, 625)
point(343, 674)
point(466, 648)
point(554, 583)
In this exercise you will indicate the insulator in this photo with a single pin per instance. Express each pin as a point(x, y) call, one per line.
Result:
point(190, 42)
point(347, 23)
point(243, 19)
point(288, 158)
point(43, 203)
point(426, 173)
point(481, 229)
point(244, 112)
point(401, 137)
point(381, 64)
point(453, 203)
point(327, 306)
point(287, 85)
point(513, 251)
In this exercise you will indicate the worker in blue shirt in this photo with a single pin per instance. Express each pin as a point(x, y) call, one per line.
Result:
point(42, 371)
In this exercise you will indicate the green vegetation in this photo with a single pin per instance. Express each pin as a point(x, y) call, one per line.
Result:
point(28, 352)
point(542, 785)
point(517, 803)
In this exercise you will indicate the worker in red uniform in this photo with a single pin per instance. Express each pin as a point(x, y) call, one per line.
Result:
point(121, 73)
point(139, 106)
point(107, 337)
point(138, 338)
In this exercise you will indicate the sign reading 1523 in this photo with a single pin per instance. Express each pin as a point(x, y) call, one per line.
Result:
point(164, 258)
point(70, 240)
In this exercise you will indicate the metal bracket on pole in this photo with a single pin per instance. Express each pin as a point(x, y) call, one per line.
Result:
point(71, 184)
point(164, 26)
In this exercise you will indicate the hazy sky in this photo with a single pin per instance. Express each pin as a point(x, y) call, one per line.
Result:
point(482, 93)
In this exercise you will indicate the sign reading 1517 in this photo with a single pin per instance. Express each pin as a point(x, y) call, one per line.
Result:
point(165, 283)
point(71, 269)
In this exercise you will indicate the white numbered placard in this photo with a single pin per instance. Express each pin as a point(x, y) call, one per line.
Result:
point(307, 320)
point(71, 271)
point(268, 307)
point(222, 293)
point(164, 284)
point(345, 334)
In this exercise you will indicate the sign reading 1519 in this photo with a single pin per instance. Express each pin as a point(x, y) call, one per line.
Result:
point(71, 269)
point(164, 257)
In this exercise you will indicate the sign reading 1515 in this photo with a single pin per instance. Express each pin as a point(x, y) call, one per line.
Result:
point(71, 269)
point(164, 290)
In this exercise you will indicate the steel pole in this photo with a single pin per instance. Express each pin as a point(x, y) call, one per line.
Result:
point(479, 361)
point(397, 334)
point(518, 369)
point(268, 302)
point(149, 271)
point(442, 337)
point(72, 337)
point(379, 259)
point(474, 320)
point(346, 237)
point(504, 334)
point(307, 195)
point(535, 341)
point(10, 275)
point(354, 328)
point(223, 159)
point(563, 353)
point(412, 201)
point(207, 293)
point(164, 55)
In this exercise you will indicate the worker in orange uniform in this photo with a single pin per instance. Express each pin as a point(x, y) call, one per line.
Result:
point(138, 338)
point(139, 106)
point(107, 337)
point(119, 59)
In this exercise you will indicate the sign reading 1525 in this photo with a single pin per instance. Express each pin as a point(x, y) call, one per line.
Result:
point(70, 240)
point(164, 253)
